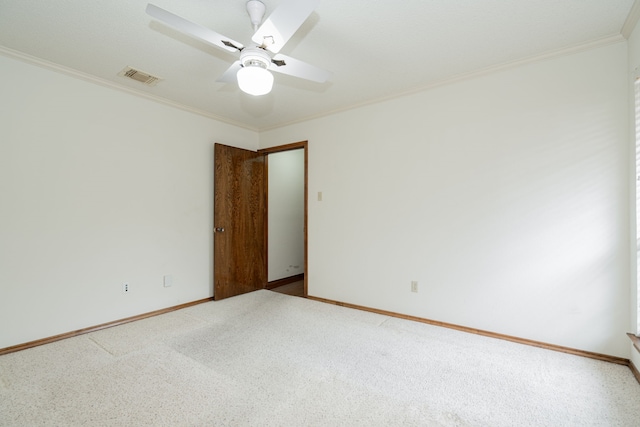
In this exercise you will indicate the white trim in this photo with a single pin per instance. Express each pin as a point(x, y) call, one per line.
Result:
point(106, 83)
point(635, 315)
point(631, 21)
point(617, 38)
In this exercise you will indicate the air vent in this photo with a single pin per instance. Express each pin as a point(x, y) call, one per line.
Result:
point(139, 76)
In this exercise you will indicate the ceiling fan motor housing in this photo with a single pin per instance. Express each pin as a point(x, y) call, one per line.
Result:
point(254, 57)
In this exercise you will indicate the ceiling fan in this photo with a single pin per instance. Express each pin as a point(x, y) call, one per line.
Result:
point(252, 68)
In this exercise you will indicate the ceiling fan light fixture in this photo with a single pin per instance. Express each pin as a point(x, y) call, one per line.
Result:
point(254, 77)
point(255, 80)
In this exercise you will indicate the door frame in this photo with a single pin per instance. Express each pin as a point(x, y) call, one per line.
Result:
point(287, 147)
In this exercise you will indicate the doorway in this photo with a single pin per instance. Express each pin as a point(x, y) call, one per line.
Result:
point(286, 218)
point(240, 221)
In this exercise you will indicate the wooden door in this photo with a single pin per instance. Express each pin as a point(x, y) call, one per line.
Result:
point(239, 221)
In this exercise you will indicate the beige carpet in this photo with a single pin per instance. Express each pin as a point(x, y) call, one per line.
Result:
point(265, 359)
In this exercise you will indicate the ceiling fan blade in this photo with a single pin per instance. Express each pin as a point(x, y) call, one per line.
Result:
point(193, 30)
point(283, 22)
point(229, 76)
point(293, 67)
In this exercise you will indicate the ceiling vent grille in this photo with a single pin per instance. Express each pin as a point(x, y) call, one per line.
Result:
point(139, 76)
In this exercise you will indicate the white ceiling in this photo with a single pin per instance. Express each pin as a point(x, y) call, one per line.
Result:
point(375, 48)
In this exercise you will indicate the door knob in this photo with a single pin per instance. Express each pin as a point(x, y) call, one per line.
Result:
point(219, 230)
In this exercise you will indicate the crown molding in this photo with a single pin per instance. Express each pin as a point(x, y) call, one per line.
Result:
point(606, 41)
point(15, 54)
point(617, 38)
point(632, 20)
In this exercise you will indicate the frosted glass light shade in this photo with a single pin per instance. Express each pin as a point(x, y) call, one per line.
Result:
point(255, 80)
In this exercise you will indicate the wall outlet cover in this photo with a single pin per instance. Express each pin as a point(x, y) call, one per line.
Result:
point(167, 281)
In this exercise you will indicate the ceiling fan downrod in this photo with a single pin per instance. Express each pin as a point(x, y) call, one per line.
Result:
point(255, 9)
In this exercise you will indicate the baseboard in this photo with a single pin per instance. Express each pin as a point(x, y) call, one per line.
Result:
point(635, 371)
point(583, 353)
point(636, 347)
point(54, 338)
point(635, 340)
point(285, 281)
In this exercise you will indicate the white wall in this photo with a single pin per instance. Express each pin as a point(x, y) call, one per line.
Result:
point(286, 214)
point(99, 187)
point(634, 72)
point(505, 196)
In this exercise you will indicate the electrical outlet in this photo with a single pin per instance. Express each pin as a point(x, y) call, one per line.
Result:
point(125, 287)
point(414, 286)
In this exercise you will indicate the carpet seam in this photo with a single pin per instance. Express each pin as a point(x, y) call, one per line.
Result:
point(100, 346)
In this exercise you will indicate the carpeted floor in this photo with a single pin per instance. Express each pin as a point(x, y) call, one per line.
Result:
point(270, 359)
